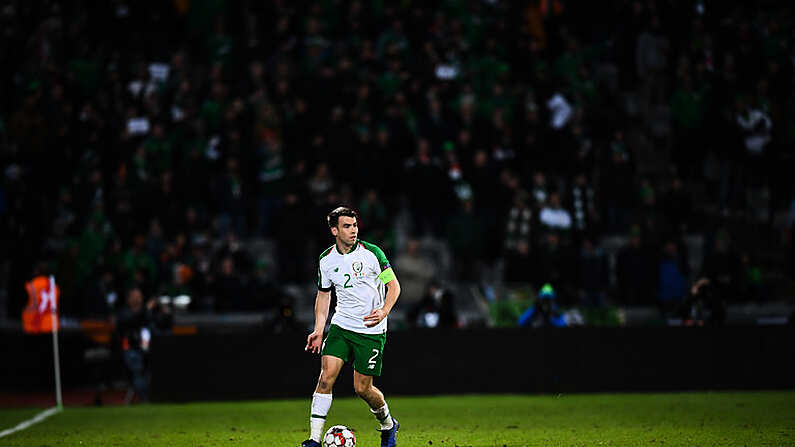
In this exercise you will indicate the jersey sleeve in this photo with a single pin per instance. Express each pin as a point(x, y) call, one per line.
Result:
point(323, 282)
point(385, 271)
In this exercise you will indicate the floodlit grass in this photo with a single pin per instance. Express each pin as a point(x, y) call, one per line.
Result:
point(674, 419)
point(10, 418)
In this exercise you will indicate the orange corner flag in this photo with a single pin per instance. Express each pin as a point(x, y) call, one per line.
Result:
point(41, 313)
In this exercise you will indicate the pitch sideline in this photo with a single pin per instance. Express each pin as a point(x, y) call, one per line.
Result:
point(34, 420)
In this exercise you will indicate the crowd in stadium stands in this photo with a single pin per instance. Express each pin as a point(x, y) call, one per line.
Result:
point(147, 143)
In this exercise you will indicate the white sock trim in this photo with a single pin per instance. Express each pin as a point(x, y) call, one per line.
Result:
point(383, 410)
point(383, 417)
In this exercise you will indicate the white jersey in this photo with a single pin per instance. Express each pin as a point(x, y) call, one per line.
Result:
point(359, 278)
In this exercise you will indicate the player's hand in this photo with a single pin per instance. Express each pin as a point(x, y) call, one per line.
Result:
point(314, 342)
point(374, 318)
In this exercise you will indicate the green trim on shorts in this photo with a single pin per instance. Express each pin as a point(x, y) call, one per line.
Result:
point(365, 350)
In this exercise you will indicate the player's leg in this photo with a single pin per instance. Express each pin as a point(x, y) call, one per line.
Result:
point(329, 370)
point(321, 399)
point(368, 350)
point(363, 384)
point(336, 350)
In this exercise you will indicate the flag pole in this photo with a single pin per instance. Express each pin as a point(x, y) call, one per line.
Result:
point(56, 360)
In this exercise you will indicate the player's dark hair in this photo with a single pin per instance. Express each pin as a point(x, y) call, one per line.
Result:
point(334, 216)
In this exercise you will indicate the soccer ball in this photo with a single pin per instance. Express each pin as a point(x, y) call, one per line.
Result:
point(339, 436)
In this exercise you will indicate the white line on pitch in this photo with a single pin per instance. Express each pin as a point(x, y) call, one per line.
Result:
point(25, 424)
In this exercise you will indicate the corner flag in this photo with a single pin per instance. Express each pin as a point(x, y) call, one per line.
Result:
point(41, 316)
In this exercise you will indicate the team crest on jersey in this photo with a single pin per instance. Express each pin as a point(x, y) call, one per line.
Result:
point(357, 266)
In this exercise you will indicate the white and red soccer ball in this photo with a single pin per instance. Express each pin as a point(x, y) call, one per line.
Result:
point(339, 436)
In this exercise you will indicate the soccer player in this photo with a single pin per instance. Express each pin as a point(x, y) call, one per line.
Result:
point(367, 289)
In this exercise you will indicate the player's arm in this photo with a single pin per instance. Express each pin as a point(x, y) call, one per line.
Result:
point(314, 340)
point(392, 293)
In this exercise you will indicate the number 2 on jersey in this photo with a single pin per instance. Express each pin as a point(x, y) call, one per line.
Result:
point(346, 286)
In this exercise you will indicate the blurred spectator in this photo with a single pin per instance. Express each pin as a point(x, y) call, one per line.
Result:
point(593, 272)
point(481, 175)
point(518, 240)
point(162, 313)
point(652, 60)
point(320, 183)
point(618, 184)
point(677, 205)
point(134, 331)
point(584, 206)
point(416, 271)
point(560, 111)
point(688, 107)
point(635, 271)
point(155, 242)
point(544, 312)
point(209, 137)
point(165, 203)
point(703, 305)
point(292, 244)
point(553, 216)
point(229, 287)
point(230, 199)
point(373, 218)
point(752, 276)
point(556, 267)
point(435, 310)
point(520, 264)
point(429, 189)
point(647, 197)
point(103, 296)
point(271, 182)
point(464, 235)
point(672, 278)
point(285, 321)
point(723, 269)
point(755, 125)
point(138, 260)
point(540, 190)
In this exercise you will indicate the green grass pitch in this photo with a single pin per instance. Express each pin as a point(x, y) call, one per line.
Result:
point(662, 420)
